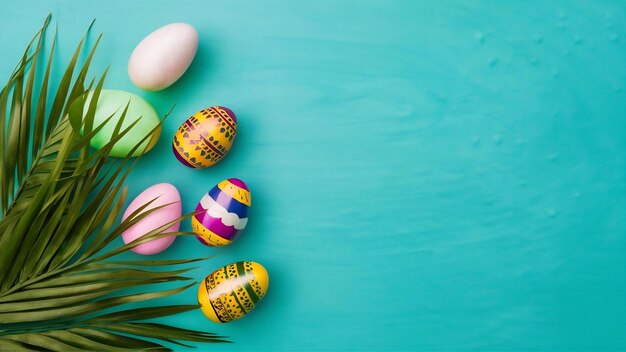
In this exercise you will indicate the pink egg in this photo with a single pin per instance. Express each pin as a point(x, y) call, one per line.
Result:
point(162, 57)
point(166, 194)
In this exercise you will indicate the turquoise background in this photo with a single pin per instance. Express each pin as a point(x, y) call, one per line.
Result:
point(426, 175)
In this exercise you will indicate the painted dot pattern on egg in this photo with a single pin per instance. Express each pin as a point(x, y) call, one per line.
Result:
point(206, 137)
point(247, 283)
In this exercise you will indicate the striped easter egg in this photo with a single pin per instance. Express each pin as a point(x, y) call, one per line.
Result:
point(232, 291)
point(205, 138)
point(222, 213)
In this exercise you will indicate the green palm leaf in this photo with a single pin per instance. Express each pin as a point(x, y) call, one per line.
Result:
point(59, 205)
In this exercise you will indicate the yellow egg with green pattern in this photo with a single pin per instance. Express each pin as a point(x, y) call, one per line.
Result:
point(232, 291)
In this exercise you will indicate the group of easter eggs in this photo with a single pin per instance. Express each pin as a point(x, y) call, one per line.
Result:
point(201, 141)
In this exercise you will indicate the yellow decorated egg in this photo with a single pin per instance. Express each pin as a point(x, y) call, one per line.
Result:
point(232, 291)
point(205, 138)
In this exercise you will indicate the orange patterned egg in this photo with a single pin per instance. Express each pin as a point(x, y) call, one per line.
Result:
point(205, 138)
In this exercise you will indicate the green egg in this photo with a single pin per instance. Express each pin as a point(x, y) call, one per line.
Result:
point(113, 102)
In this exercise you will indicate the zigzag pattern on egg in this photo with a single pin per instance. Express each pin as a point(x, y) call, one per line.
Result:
point(205, 138)
point(217, 211)
point(222, 213)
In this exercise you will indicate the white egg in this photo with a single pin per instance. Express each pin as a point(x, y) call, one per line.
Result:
point(162, 57)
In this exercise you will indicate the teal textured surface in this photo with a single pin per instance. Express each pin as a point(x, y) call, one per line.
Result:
point(425, 175)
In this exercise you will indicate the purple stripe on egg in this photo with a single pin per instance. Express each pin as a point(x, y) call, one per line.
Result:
point(217, 226)
point(180, 157)
point(229, 112)
point(239, 183)
point(200, 216)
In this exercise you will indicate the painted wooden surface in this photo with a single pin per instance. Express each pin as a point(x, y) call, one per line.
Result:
point(426, 175)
